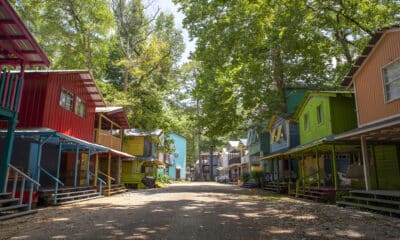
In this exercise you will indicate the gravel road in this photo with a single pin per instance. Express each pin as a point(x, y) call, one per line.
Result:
point(200, 211)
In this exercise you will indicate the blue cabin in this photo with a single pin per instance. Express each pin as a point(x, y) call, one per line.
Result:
point(177, 159)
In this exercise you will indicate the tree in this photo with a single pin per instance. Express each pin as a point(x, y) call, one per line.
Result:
point(250, 51)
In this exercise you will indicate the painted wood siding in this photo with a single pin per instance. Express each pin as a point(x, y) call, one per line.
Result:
point(343, 114)
point(40, 106)
point(315, 130)
point(385, 172)
point(134, 145)
point(283, 142)
point(371, 104)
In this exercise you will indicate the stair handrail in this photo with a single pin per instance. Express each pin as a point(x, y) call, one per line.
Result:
point(25, 178)
point(52, 176)
point(108, 176)
point(101, 182)
point(303, 179)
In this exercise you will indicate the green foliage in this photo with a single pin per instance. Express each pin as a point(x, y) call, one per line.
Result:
point(257, 176)
point(245, 177)
point(163, 178)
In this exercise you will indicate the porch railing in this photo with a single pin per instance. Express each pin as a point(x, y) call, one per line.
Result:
point(16, 173)
point(107, 139)
point(56, 183)
point(305, 180)
point(10, 88)
point(101, 182)
point(109, 179)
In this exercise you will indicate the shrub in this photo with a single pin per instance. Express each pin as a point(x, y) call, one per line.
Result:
point(246, 177)
point(163, 178)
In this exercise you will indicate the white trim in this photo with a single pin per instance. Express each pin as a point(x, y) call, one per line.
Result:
point(379, 120)
point(383, 81)
point(355, 99)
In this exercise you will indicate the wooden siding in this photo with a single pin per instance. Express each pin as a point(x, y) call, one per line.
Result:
point(134, 145)
point(385, 172)
point(40, 106)
point(343, 114)
point(371, 104)
point(315, 130)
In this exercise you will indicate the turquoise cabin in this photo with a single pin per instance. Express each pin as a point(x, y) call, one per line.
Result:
point(177, 159)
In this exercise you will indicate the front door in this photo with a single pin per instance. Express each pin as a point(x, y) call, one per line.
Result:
point(178, 173)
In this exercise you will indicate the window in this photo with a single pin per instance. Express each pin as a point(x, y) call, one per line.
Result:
point(306, 122)
point(279, 133)
point(80, 107)
point(273, 133)
point(319, 114)
point(66, 99)
point(391, 80)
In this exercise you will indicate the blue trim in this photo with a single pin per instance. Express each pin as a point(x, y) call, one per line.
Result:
point(76, 165)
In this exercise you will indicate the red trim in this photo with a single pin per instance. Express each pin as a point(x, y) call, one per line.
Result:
point(3, 102)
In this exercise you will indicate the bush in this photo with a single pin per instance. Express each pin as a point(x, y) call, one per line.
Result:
point(257, 177)
point(163, 178)
point(246, 177)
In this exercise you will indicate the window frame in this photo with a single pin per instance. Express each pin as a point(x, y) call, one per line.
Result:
point(77, 109)
point(384, 83)
point(67, 93)
point(320, 114)
point(306, 122)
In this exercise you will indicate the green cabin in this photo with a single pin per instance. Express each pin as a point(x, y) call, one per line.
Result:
point(325, 113)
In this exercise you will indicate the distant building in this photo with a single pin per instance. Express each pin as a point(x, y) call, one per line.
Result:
point(176, 160)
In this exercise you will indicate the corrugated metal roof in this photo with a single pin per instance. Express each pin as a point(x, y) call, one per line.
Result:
point(137, 132)
point(16, 42)
point(365, 54)
point(116, 114)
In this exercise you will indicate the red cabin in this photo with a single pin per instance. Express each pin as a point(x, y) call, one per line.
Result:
point(63, 100)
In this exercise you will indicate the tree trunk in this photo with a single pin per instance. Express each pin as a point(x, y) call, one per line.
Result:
point(277, 67)
point(126, 77)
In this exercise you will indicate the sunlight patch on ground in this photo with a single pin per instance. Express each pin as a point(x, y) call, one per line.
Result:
point(59, 237)
point(350, 233)
point(59, 219)
point(312, 232)
point(305, 217)
point(275, 230)
point(21, 237)
point(233, 216)
point(189, 207)
point(252, 215)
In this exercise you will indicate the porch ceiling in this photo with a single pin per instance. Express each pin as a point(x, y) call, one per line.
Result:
point(16, 42)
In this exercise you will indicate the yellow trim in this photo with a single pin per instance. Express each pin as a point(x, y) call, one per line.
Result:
point(273, 135)
point(278, 134)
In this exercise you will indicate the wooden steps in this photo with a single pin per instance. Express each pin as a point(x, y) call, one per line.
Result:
point(115, 189)
point(249, 185)
point(10, 207)
point(67, 195)
point(385, 202)
point(280, 187)
point(322, 194)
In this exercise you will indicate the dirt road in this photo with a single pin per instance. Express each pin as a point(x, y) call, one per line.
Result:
point(200, 211)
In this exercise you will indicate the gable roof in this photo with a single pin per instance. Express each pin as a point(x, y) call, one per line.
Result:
point(348, 79)
point(16, 42)
point(116, 114)
point(310, 94)
point(134, 132)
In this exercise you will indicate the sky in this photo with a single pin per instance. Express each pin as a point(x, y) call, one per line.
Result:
point(168, 7)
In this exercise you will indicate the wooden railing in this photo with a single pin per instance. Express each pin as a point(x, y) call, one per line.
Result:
point(105, 138)
point(306, 182)
point(19, 175)
point(10, 88)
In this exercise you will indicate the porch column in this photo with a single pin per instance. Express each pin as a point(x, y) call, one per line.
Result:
point(290, 173)
point(76, 165)
point(109, 173)
point(366, 165)
point(334, 168)
point(119, 170)
point(58, 170)
point(8, 148)
point(96, 169)
point(88, 168)
point(318, 174)
point(39, 159)
point(302, 170)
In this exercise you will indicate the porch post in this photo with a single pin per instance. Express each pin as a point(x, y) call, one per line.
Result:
point(318, 174)
point(290, 173)
point(119, 170)
point(302, 170)
point(39, 159)
point(8, 147)
point(96, 169)
point(76, 165)
point(334, 167)
point(109, 173)
point(366, 165)
point(88, 168)
point(58, 169)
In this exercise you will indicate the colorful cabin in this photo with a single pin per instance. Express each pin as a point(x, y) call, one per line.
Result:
point(244, 156)
point(280, 169)
point(257, 146)
point(234, 161)
point(208, 162)
point(18, 48)
point(110, 123)
point(177, 159)
point(375, 79)
point(146, 147)
point(55, 131)
point(321, 115)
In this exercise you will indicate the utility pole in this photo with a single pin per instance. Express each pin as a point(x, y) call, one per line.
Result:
point(199, 139)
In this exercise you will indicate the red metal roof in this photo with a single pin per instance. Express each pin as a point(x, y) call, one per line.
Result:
point(16, 42)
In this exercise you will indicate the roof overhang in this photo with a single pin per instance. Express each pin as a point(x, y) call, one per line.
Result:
point(348, 79)
point(17, 45)
point(116, 114)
